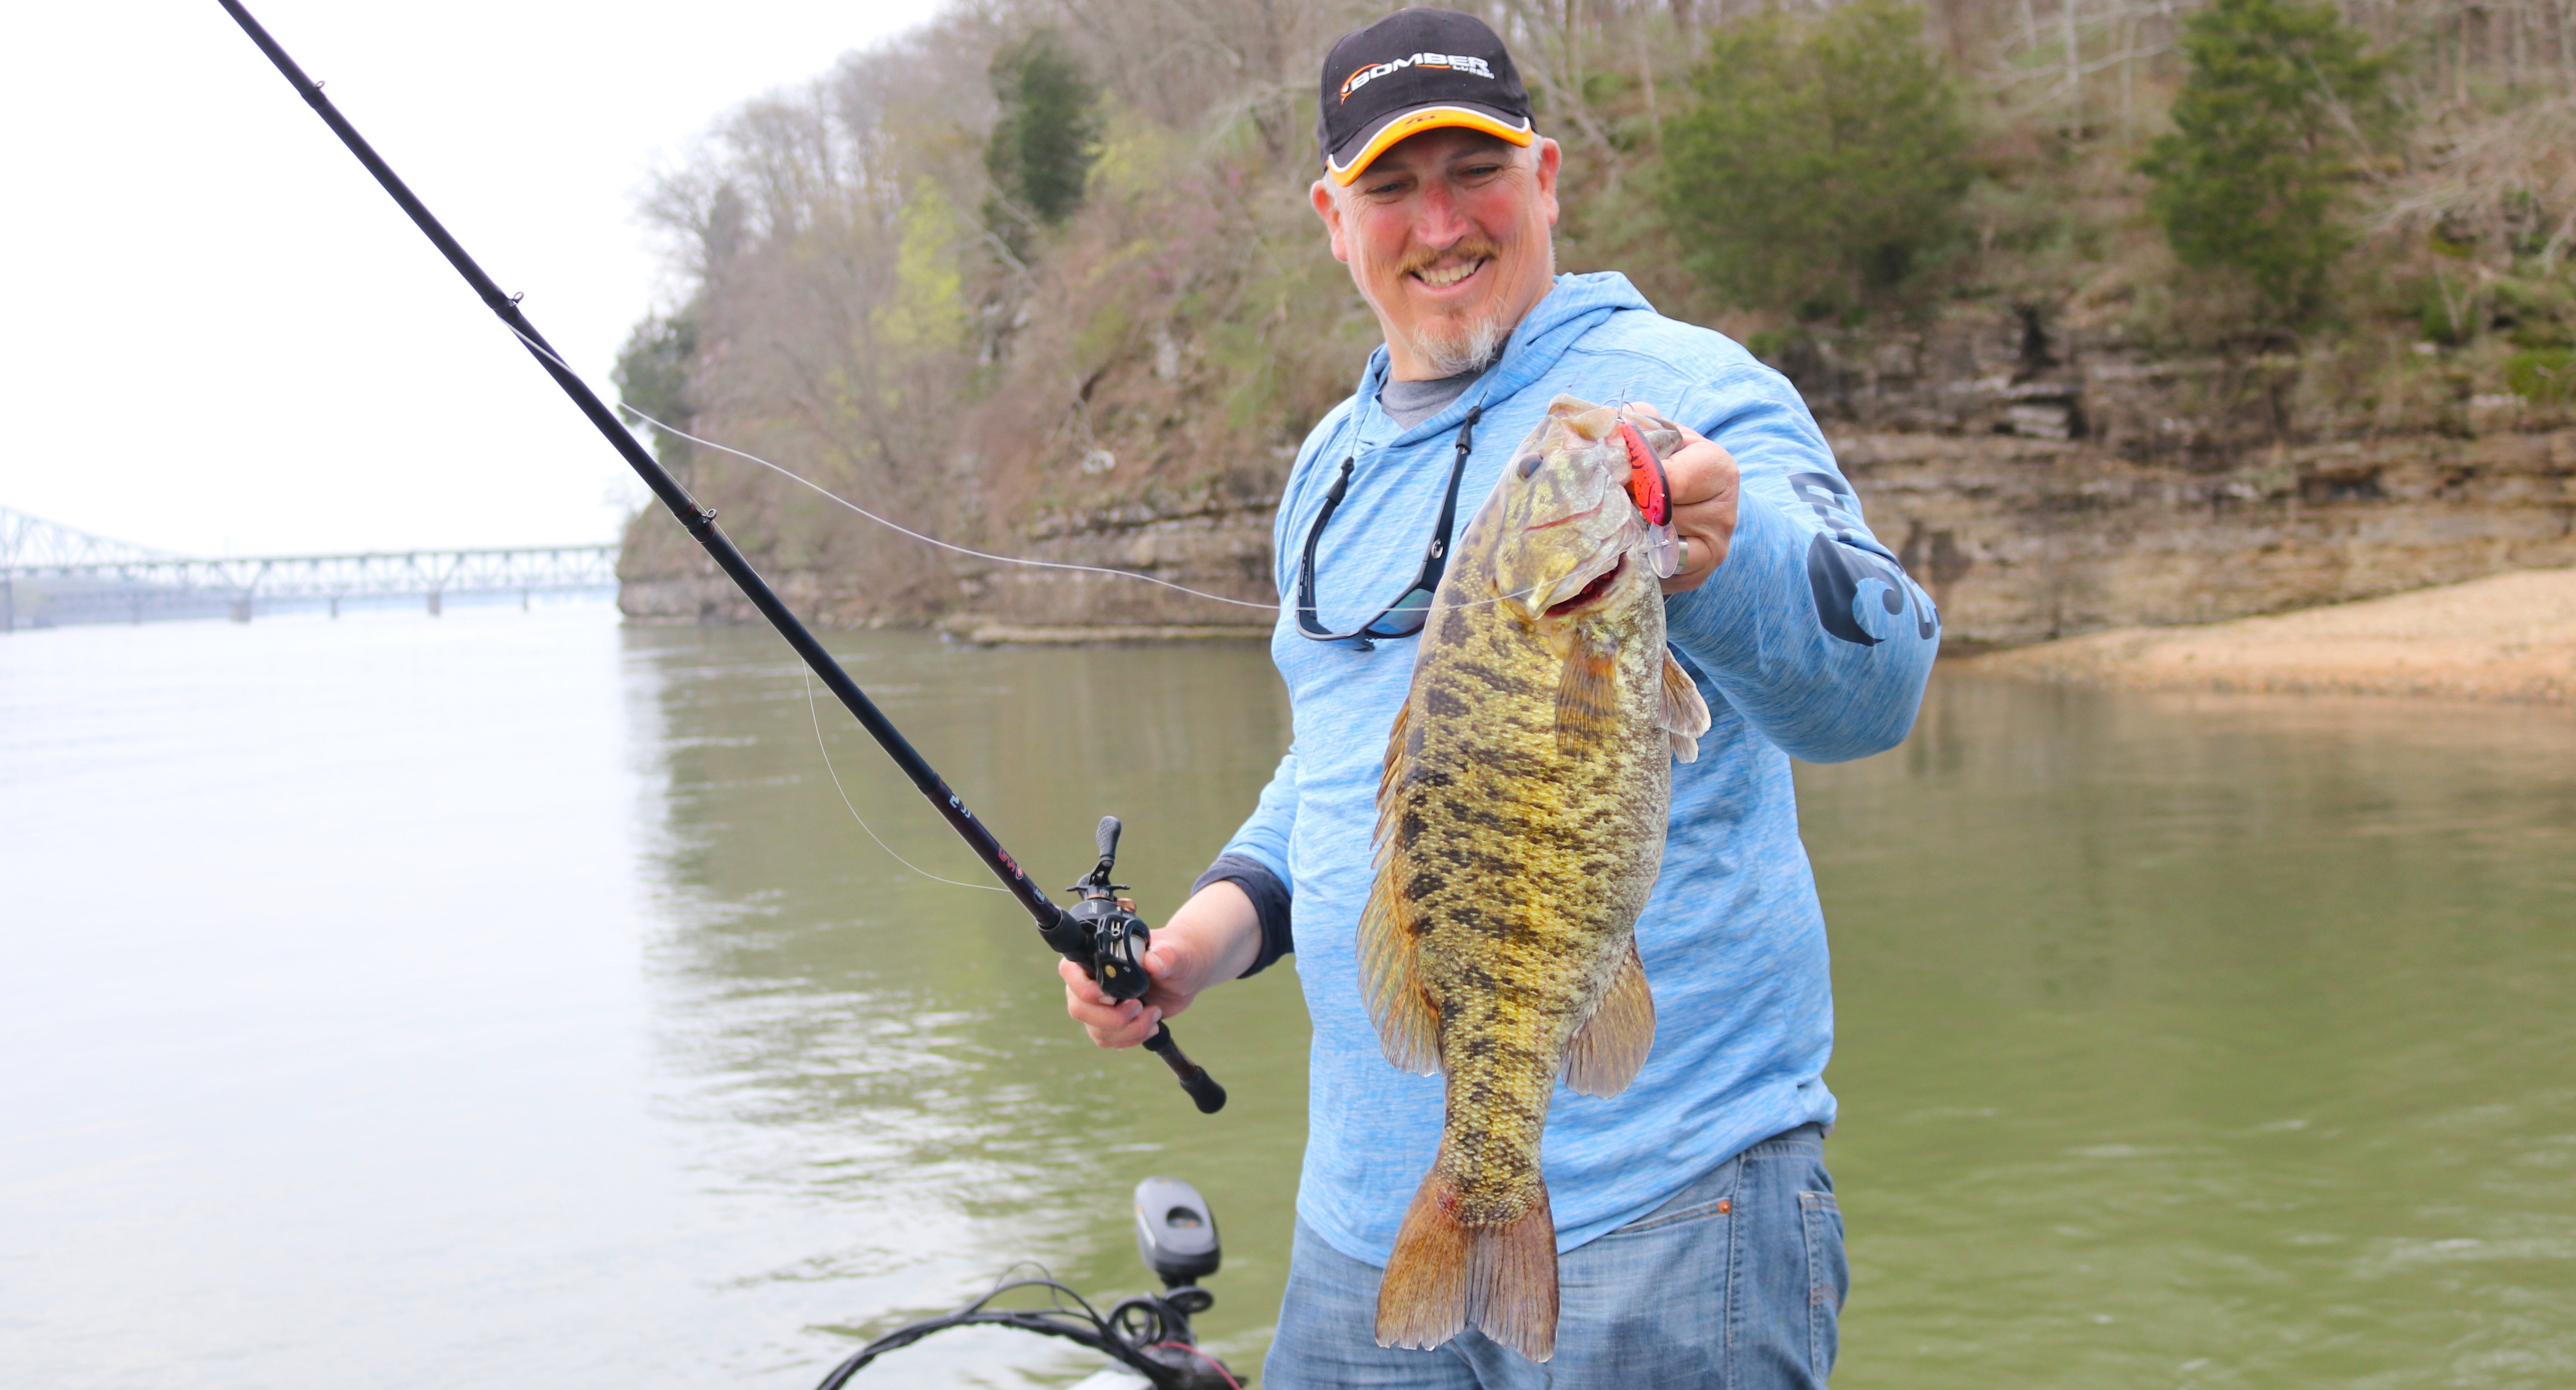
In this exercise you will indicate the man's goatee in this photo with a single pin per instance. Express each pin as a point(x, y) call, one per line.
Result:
point(1472, 349)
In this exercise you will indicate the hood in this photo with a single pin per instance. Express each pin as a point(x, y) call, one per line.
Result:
point(1554, 324)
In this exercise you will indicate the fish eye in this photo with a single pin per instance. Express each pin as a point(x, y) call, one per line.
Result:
point(1529, 465)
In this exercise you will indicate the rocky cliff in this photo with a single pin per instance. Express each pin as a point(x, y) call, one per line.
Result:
point(2040, 481)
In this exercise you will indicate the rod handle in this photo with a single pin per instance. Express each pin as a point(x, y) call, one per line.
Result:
point(1204, 1092)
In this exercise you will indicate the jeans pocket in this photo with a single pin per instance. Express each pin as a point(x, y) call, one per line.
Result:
point(1828, 1279)
point(1711, 1196)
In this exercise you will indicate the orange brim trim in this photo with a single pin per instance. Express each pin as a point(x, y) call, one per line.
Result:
point(1413, 123)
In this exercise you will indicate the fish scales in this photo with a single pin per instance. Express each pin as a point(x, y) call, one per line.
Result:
point(1521, 827)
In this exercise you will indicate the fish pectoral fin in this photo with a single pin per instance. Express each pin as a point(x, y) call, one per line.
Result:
point(1587, 694)
point(1391, 775)
point(1612, 1044)
point(1408, 1027)
point(1685, 715)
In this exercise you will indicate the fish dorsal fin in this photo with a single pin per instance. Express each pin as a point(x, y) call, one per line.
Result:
point(1612, 1044)
point(1408, 1026)
point(1587, 694)
point(1685, 714)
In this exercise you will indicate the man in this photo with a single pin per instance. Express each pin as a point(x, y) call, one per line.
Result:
point(1700, 1244)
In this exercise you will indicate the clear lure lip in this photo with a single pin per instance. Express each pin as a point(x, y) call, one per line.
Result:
point(1660, 549)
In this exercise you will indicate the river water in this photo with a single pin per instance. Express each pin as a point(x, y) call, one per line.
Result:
point(508, 998)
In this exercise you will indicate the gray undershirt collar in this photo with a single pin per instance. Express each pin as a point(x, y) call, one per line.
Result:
point(1409, 403)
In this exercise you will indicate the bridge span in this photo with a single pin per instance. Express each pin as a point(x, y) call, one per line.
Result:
point(52, 574)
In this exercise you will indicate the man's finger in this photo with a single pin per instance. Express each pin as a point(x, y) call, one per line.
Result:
point(1097, 1015)
point(1130, 1033)
point(1700, 472)
point(1078, 985)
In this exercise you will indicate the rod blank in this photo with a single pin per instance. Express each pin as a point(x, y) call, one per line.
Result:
point(700, 521)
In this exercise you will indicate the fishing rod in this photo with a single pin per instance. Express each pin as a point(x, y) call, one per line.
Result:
point(1101, 933)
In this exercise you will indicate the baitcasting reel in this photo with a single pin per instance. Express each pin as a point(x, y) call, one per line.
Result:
point(1102, 934)
point(1101, 931)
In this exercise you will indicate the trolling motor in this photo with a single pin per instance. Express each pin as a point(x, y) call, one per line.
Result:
point(1102, 935)
point(1148, 1335)
point(1083, 940)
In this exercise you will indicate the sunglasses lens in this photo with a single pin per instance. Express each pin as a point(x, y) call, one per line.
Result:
point(1407, 616)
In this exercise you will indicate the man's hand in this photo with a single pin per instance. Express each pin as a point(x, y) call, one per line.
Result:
point(1702, 478)
point(1213, 937)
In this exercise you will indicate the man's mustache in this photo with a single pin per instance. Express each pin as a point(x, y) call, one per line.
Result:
point(1474, 248)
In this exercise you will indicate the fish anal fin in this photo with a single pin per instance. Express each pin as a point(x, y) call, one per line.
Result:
point(1685, 715)
point(1445, 1275)
point(1612, 1044)
point(1587, 694)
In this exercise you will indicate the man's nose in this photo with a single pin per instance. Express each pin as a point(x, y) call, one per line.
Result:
point(1438, 222)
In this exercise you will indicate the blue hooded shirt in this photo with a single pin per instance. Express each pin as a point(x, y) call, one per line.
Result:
point(1809, 642)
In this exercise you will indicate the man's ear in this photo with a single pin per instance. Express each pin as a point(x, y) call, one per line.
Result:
point(1549, 157)
point(1322, 196)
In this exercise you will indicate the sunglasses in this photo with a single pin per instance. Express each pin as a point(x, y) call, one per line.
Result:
point(1405, 616)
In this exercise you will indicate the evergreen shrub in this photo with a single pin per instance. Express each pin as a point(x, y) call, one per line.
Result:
point(2279, 107)
point(1821, 162)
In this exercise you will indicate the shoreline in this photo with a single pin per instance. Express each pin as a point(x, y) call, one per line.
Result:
point(2504, 638)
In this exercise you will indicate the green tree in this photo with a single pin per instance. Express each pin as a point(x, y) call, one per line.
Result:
point(2279, 105)
point(927, 311)
point(652, 376)
point(1043, 144)
point(1820, 162)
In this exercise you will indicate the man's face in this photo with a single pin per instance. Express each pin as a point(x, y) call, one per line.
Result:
point(1448, 235)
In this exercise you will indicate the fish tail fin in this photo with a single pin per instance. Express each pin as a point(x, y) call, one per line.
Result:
point(1446, 1274)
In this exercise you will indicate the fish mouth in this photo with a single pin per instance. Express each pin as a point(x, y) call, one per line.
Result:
point(1592, 591)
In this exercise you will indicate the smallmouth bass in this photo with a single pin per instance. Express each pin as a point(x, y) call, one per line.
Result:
point(1520, 827)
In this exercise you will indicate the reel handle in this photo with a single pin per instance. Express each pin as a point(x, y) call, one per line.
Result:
point(1106, 837)
point(1203, 1088)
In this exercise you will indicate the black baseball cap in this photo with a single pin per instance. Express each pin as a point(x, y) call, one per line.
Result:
point(1416, 70)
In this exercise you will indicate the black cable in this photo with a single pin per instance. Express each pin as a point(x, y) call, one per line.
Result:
point(1102, 1335)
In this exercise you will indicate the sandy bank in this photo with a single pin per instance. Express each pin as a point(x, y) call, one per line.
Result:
point(2505, 637)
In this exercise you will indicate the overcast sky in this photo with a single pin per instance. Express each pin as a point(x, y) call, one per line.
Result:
point(225, 338)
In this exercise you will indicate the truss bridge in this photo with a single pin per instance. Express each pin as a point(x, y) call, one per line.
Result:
point(52, 574)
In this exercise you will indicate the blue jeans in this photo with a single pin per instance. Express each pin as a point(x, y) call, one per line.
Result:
point(1737, 1283)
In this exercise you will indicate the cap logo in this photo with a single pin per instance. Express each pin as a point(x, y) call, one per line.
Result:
point(1456, 62)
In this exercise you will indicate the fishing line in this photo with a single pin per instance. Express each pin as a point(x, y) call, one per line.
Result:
point(897, 526)
point(890, 524)
point(826, 751)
